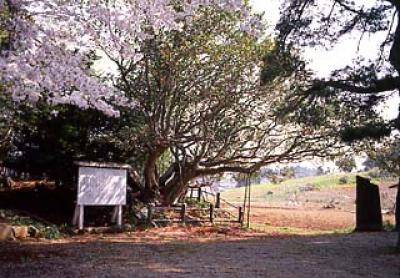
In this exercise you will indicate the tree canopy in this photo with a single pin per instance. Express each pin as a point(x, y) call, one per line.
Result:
point(185, 88)
point(359, 88)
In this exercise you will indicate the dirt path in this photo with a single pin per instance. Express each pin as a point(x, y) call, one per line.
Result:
point(202, 253)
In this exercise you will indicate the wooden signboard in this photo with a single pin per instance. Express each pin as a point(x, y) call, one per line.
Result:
point(101, 184)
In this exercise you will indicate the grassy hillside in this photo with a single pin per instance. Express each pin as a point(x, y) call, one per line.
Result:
point(264, 192)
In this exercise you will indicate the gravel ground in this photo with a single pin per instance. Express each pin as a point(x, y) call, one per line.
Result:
point(217, 254)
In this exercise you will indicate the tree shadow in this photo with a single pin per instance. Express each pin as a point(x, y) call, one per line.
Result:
point(351, 255)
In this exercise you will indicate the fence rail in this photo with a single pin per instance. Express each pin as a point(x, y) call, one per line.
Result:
point(217, 210)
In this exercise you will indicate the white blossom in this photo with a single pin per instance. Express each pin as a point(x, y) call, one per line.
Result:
point(51, 40)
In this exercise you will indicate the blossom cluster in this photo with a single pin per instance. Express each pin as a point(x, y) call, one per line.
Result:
point(48, 57)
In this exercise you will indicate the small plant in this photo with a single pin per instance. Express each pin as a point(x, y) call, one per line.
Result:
point(51, 232)
point(389, 227)
point(344, 180)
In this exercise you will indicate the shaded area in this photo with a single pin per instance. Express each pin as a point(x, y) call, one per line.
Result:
point(52, 204)
point(55, 205)
point(354, 255)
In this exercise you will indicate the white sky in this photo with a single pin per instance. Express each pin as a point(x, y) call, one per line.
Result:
point(322, 61)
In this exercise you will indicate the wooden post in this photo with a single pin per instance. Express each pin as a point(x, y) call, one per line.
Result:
point(119, 216)
point(218, 200)
point(241, 215)
point(199, 194)
point(76, 216)
point(212, 213)
point(249, 201)
point(114, 215)
point(244, 201)
point(81, 216)
point(191, 193)
point(183, 213)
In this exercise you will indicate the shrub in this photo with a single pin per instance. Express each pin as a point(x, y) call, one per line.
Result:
point(344, 180)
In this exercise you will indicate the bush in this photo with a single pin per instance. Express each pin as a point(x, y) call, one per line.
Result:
point(50, 232)
point(344, 180)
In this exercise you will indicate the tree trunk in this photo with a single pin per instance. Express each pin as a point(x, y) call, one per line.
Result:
point(398, 216)
point(177, 186)
point(151, 188)
point(397, 212)
point(174, 190)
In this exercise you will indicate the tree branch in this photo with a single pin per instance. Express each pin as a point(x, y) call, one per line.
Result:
point(382, 85)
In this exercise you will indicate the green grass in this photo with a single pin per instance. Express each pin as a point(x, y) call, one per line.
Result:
point(259, 227)
point(269, 191)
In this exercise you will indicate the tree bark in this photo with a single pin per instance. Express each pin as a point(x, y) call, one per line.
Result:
point(177, 185)
point(151, 188)
point(397, 212)
point(398, 216)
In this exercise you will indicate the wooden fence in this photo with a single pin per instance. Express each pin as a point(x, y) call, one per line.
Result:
point(211, 208)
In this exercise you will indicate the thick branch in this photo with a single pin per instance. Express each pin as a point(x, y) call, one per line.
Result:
point(381, 85)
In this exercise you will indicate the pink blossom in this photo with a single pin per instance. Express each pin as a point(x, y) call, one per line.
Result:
point(52, 39)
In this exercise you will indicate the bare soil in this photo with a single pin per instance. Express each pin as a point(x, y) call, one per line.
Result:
point(307, 218)
point(209, 250)
point(323, 210)
point(202, 252)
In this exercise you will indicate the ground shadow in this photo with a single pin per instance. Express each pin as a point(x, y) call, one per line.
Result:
point(352, 255)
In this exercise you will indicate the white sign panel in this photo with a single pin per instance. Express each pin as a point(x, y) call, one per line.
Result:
point(101, 186)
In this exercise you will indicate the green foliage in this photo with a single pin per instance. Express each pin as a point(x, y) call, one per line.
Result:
point(51, 232)
point(348, 97)
point(45, 231)
point(48, 141)
point(343, 180)
point(388, 227)
point(387, 155)
point(346, 164)
point(4, 36)
point(375, 130)
point(198, 204)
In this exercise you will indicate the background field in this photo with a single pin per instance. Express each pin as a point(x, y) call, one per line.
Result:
point(311, 203)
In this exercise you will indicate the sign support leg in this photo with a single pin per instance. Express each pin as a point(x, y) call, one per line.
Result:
point(81, 212)
point(76, 216)
point(119, 219)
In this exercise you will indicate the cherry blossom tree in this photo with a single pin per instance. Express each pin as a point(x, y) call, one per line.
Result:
point(50, 40)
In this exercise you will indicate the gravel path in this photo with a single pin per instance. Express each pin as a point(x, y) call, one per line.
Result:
point(355, 255)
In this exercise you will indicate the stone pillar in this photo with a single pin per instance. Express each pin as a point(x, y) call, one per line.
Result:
point(368, 206)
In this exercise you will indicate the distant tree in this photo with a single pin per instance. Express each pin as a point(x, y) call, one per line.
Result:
point(369, 164)
point(346, 164)
point(288, 172)
point(241, 178)
point(321, 171)
point(387, 155)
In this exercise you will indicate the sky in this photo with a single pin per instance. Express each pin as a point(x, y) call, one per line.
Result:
point(323, 62)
